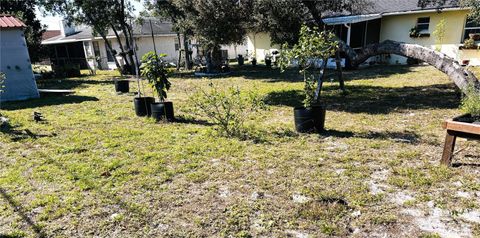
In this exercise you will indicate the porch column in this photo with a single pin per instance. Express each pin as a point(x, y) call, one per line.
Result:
point(349, 32)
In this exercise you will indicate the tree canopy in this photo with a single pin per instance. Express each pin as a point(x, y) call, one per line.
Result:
point(25, 11)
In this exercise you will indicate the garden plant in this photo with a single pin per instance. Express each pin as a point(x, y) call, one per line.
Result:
point(312, 46)
point(153, 68)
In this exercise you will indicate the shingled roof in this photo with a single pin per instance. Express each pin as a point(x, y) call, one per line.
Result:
point(159, 27)
point(7, 21)
point(390, 6)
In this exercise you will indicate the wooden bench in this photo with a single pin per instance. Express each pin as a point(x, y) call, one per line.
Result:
point(456, 129)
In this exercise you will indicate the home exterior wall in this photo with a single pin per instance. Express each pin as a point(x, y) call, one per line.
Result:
point(15, 63)
point(258, 44)
point(397, 28)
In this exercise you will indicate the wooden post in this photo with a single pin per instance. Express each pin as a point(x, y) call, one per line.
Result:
point(338, 61)
point(448, 149)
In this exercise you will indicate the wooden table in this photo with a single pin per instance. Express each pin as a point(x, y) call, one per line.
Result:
point(456, 129)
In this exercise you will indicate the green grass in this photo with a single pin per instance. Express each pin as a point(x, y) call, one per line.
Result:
point(95, 169)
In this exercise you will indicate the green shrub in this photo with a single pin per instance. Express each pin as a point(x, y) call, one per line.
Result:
point(153, 68)
point(471, 101)
point(470, 44)
point(228, 108)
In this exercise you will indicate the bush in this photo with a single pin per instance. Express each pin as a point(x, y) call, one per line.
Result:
point(471, 101)
point(228, 108)
point(470, 44)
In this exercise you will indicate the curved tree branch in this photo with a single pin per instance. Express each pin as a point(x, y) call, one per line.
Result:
point(458, 74)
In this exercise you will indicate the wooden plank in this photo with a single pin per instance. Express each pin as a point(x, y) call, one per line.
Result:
point(463, 127)
point(448, 149)
point(55, 91)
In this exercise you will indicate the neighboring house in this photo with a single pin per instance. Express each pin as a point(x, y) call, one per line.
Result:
point(393, 20)
point(78, 45)
point(15, 61)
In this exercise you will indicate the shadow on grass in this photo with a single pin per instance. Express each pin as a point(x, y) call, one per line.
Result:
point(71, 83)
point(191, 120)
point(47, 101)
point(18, 208)
point(18, 135)
point(404, 137)
point(375, 99)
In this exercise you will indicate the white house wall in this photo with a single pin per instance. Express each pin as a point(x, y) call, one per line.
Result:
point(15, 63)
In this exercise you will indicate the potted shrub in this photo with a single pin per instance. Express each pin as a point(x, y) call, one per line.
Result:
point(154, 70)
point(240, 60)
point(471, 106)
point(313, 44)
point(268, 60)
point(122, 85)
point(465, 126)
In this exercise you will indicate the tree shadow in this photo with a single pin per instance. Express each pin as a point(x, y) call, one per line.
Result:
point(191, 120)
point(71, 83)
point(18, 208)
point(19, 135)
point(47, 101)
point(375, 99)
point(403, 137)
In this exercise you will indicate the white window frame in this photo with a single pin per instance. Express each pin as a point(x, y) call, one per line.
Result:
point(428, 24)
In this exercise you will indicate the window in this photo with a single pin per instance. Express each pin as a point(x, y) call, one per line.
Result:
point(109, 54)
point(471, 28)
point(177, 47)
point(423, 23)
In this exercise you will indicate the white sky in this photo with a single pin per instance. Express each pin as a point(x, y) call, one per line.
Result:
point(53, 22)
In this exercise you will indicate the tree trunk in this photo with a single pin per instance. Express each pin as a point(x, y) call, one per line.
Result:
point(320, 79)
point(188, 64)
point(179, 60)
point(459, 75)
point(124, 55)
point(338, 61)
point(109, 46)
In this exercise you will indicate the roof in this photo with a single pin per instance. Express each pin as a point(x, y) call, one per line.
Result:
point(50, 33)
point(391, 6)
point(7, 21)
point(85, 33)
point(378, 8)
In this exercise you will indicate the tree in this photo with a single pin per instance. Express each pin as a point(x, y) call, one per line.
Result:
point(171, 10)
point(102, 16)
point(283, 19)
point(25, 11)
point(215, 23)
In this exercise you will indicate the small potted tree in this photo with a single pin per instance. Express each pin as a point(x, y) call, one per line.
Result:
point(268, 60)
point(153, 69)
point(313, 44)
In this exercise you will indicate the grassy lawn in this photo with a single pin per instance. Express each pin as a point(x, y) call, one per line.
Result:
point(95, 169)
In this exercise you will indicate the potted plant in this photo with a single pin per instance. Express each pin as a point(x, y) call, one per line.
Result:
point(414, 32)
point(154, 70)
point(313, 44)
point(240, 60)
point(268, 60)
point(122, 84)
point(471, 106)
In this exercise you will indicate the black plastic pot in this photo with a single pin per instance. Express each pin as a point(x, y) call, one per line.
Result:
point(309, 119)
point(142, 106)
point(122, 86)
point(161, 110)
point(240, 60)
point(268, 63)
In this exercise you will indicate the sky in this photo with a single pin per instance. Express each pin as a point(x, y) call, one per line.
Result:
point(53, 22)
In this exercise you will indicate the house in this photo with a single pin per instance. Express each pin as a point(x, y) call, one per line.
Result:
point(394, 20)
point(15, 61)
point(78, 45)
